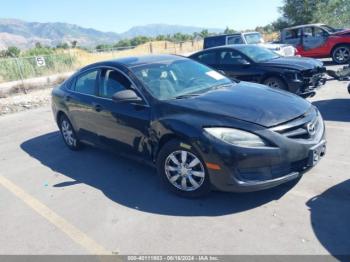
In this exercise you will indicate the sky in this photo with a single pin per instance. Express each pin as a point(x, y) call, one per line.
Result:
point(120, 15)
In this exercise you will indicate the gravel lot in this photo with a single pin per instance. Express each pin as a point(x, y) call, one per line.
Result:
point(55, 201)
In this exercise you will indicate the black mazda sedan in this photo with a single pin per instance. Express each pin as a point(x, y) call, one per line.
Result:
point(200, 129)
point(254, 63)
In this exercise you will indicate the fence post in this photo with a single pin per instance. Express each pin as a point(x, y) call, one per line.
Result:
point(151, 47)
point(19, 71)
point(71, 58)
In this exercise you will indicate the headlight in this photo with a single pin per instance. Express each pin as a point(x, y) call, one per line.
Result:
point(236, 137)
point(295, 76)
point(298, 77)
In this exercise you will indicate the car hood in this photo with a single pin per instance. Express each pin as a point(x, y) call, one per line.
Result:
point(298, 63)
point(249, 102)
point(342, 32)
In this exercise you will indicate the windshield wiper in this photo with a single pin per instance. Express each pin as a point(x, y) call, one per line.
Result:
point(203, 91)
point(220, 86)
point(186, 96)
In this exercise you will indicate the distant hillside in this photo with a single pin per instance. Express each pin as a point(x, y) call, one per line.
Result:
point(25, 34)
point(154, 30)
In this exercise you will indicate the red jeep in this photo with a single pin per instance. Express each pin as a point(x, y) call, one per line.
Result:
point(319, 41)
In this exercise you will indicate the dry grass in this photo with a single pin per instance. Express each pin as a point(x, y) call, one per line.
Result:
point(159, 47)
point(27, 88)
point(271, 37)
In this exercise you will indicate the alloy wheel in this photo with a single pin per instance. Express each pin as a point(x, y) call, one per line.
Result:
point(184, 170)
point(273, 83)
point(342, 54)
point(68, 133)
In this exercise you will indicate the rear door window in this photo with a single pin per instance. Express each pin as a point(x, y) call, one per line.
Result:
point(231, 57)
point(112, 81)
point(307, 32)
point(292, 37)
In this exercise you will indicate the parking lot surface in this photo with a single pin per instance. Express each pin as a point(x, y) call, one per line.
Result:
point(55, 201)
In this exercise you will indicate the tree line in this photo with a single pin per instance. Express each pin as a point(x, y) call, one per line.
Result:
point(335, 13)
point(139, 40)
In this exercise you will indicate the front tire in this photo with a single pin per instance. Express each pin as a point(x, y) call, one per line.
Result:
point(341, 54)
point(68, 134)
point(182, 170)
point(275, 82)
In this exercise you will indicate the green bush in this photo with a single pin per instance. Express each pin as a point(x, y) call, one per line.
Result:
point(12, 68)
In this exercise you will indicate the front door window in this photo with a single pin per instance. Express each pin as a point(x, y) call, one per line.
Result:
point(314, 37)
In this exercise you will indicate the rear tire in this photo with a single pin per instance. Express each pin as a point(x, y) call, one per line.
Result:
point(341, 54)
point(275, 82)
point(68, 134)
point(182, 170)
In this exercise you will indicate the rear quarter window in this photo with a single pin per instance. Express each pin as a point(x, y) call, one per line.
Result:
point(69, 83)
point(86, 83)
point(208, 58)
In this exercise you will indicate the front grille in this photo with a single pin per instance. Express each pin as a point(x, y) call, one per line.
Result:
point(306, 127)
point(313, 77)
point(315, 71)
point(313, 80)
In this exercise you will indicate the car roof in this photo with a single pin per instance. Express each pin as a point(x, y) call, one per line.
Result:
point(301, 26)
point(238, 33)
point(147, 59)
point(235, 47)
point(134, 61)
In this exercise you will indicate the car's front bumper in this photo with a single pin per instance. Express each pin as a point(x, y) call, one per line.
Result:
point(253, 169)
point(306, 87)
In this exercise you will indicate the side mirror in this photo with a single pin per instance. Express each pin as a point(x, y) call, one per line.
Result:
point(125, 96)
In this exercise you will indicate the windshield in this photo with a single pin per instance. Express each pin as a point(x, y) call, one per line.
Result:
point(257, 53)
point(328, 28)
point(254, 38)
point(178, 79)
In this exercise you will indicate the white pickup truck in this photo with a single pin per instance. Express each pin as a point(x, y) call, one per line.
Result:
point(248, 38)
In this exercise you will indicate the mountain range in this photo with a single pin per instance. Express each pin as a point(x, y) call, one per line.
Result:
point(14, 32)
